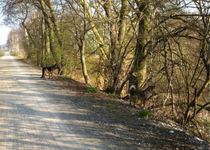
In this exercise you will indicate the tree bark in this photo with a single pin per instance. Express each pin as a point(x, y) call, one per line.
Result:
point(83, 46)
point(140, 59)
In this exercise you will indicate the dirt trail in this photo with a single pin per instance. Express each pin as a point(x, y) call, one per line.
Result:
point(41, 114)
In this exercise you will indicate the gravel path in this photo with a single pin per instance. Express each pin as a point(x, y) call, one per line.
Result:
point(37, 114)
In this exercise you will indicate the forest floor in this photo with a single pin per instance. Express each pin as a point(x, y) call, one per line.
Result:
point(153, 134)
point(58, 114)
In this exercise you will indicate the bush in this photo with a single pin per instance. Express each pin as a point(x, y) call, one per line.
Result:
point(144, 113)
point(90, 90)
point(114, 95)
point(14, 53)
point(48, 60)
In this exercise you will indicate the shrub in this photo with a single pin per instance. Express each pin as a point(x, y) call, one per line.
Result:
point(113, 95)
point(144, 113)
point(90, 90)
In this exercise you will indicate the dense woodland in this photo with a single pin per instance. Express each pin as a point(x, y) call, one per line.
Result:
point(104, 43)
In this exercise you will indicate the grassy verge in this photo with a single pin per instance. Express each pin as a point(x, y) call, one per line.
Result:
point(90, 90)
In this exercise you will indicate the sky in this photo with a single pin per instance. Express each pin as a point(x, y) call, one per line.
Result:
point(4, 31)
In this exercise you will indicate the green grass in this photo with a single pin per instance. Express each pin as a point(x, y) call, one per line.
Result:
point(144, 113)
point(113, 95)
point(90, 90)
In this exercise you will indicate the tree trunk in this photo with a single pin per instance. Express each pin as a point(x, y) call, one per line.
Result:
point(83, 46)
point(52, 30)
point(140, 62)
point(83, 62)
point(116, 35)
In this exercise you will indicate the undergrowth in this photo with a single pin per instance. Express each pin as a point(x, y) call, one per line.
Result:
point(90, 90)
point(144, 113)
